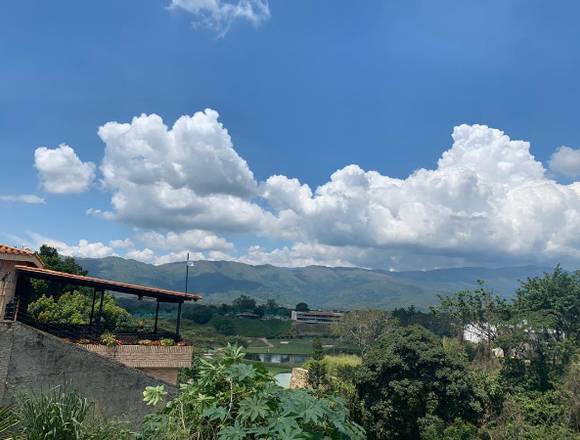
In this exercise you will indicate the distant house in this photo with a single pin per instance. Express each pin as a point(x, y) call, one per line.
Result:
point(316, 317)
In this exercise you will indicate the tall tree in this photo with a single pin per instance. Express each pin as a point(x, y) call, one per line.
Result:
point(480, 309)
point(362, 327)
point(54, 261)
point(244, 303)
point(302, 307)
point(554, 299)
point(408, 383)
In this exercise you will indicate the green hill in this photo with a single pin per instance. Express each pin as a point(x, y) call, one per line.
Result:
point(328, 287)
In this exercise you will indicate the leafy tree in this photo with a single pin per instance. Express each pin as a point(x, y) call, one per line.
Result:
point(317, 374)
point(199, 313)
point(229, 399)
point(317, 350)
point(53, 261)
point(482, 310)
point(362, 327)
point(407, 377)
point(437, 323)
point(244, 303)
point(302, 307)
point(541, 339)
point(552, 301)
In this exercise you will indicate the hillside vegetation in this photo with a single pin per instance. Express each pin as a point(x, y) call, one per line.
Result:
point(348, 288)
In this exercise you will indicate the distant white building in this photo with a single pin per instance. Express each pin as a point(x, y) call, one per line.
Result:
point(316, 317)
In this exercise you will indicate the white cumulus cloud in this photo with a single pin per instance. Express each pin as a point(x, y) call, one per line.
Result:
point(221, 14)
point(566, 161)
point(193, 239)
point(61, 171)
point(487, 201)
point(184, 177)
point(83, 248)
point(487, 196)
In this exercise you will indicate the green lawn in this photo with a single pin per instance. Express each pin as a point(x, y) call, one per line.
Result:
point(260, 328)
point(253, 328)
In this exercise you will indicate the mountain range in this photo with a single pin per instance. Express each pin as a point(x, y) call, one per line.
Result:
point(319, 286)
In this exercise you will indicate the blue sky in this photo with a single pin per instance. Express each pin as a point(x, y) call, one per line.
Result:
point(304, 88)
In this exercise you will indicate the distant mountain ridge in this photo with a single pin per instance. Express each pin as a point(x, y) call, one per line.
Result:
point(319, 286)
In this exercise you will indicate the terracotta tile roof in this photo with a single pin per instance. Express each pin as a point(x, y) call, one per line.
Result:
point(5, 249)
point(116, 286)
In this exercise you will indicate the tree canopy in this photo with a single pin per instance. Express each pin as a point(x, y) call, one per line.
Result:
point(407, 381)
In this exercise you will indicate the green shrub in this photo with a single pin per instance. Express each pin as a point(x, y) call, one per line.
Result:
point(109, 339)
point(59, 415)
point(167, 342)
point(199, 314)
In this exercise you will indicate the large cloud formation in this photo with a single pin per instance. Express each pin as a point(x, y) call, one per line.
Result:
point(487, 197)
point(187, 176)
point(488, 201)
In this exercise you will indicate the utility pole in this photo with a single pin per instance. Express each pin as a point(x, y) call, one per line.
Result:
point(186, 272)
point(188, 264)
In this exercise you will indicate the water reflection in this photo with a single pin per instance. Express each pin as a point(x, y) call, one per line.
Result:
point(279, 358)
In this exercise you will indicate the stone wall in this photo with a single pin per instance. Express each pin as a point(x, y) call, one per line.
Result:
point(31, 360)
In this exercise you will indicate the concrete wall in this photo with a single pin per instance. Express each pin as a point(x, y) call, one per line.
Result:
point(7, 283)
point(31, 360)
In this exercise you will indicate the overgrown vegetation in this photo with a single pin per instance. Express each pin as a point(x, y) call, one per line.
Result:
point(229, 399)
point(75, 308)
point(59, 415)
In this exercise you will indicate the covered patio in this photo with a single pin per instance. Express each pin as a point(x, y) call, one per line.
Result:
point(99, 286)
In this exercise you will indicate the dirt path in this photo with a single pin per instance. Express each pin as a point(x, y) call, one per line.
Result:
point(265, 341)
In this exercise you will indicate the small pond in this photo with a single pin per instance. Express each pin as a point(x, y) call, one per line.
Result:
point(283, 379)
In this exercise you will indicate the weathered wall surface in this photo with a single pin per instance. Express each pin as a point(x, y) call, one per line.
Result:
point(31, 360)
point(7, 283)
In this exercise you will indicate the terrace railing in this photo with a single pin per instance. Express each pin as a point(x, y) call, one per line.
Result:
point(91, 333)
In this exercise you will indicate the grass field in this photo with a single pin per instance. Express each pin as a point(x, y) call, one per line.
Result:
point(260, 328)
